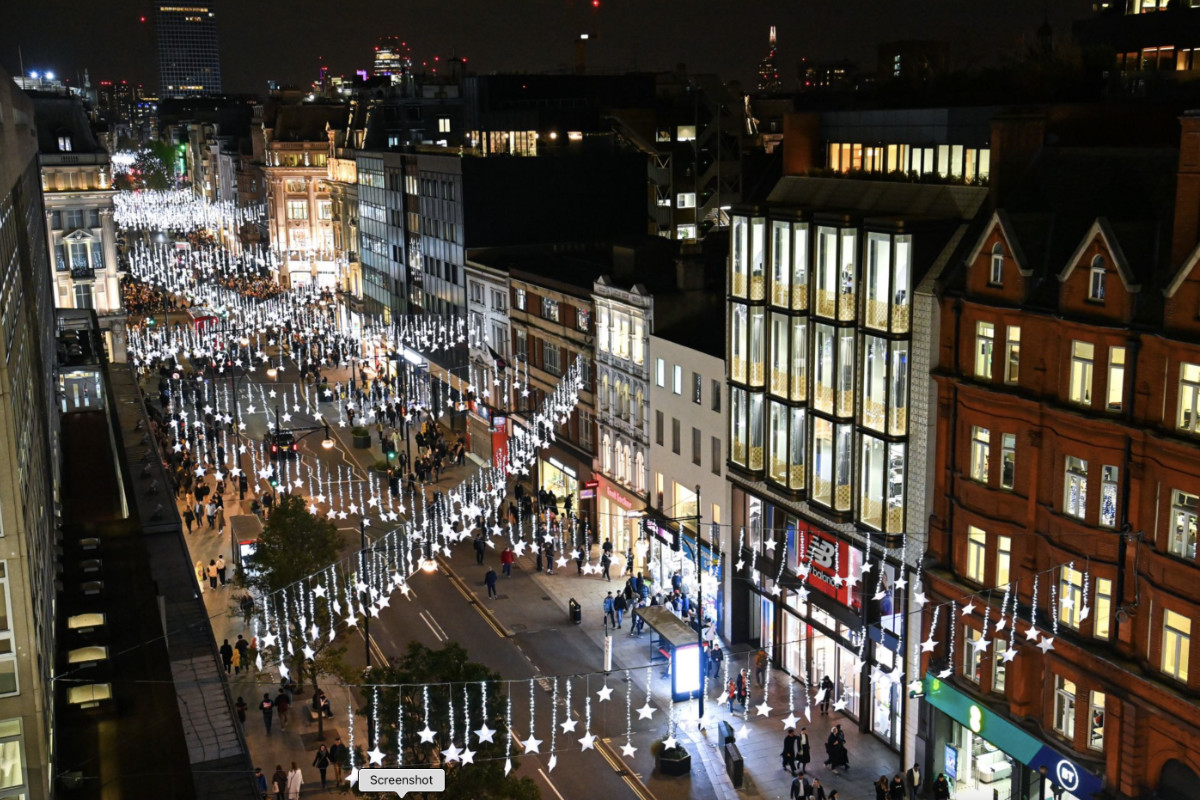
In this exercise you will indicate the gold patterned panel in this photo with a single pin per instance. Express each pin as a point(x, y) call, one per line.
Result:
point(800, 298)
point(738, 369)
point(900, 317)
point(824, 398)
point(877, 314)
point(895, 519)
point(779, 294)
point(779, 470)
point(899, 425)
point(826, 303)
point(779, 382)
point(738, 284)
point(758, 287)
point(797, 478)
point(756, 457)
point(798, 386)
point(821, 490)
point(757, 373)
point(872, 512)
point(739, 452)
point(842, 498)
point(846, 306)
point(845, 403)
point(874, 414)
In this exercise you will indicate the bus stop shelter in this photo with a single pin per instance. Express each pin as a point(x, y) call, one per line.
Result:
point(674, 641)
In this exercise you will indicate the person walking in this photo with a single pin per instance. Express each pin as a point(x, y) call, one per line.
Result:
point(267, 707)
point(741, 688)
point(912, 781)
point(800, 789)
point(897, 791)
point(760, 666)
point(227, 656)
point(321, 762)
point(212, 574)
point(605, 563)
point(816, 791)
point(506, 561)
point(941, 788)
point(480, 546)
point(620, 606)
point(835, 748)
point(282, 704)
point(789, 751)
point(240, 707)
point(715, 657)
point(490, 581)
point(294, 781)
point(189, 517)
point(280, 780)
point(261, 787)
point(337, 754)
point(221, 569)
point(826, 695)
point(610, 613)
point(236, 660)
point(882, 788)
point(803, 753)
point(210, 511)
point(731, 693)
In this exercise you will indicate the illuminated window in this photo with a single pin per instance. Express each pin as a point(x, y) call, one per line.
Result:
point(64, 144)
point(12, 759)
point(1102, 613)
point(8, 657)
point(972, 655)
point(685, 200)
point(677, 380)
point(519, 299)
point(1189, 398)
point(1182, 540)
point(1008, 460)
point(550, 309)
point(976, 553)
point(1012, 355)
point(1003, 559)
point(443, 124)
point(1064, 707)
point(1070, 596)
point(1096, 720)
point(297, 209)
point(998, 666)
point(1115, 399)
point(660, 373)
point(1109, 485)
point(996, 273)
point(980, 449)
point(1082, 362)
point(985, 338)
point(1075, 487)
point(685, 133)
point(1176, 644)
point(1096, 279)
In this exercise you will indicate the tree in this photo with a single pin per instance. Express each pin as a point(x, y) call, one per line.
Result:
point(446, 673)
point(293, 546)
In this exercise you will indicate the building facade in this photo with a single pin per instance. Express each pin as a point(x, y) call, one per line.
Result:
point(189, 58)
point(830, 307)
point(28, 442)
point(487, 311)
point(1066, 531)
point(77, 187)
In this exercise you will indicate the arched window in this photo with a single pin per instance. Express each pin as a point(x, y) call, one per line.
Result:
point(996, 275)
point(606, 455)
point(625, 477)
point(639, 471)
point(604, 392)
point(1097, 279)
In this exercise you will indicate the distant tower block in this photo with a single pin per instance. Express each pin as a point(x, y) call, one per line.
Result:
point(768, 68)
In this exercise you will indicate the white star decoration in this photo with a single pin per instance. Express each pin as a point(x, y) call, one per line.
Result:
point(568, 725)
point(763, 709)
point(451, 753)
point(628, 750)
point(670, 742)
point(484, 733)
point(790, 721)
point(427, 735)
point(587, 741)
point(532, 744)
point(1046, 644)
point(605, 693)
point(646, 711)
point(375, 755)
point(928, 645)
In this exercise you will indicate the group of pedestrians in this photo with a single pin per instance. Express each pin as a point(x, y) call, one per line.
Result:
point(215, 573)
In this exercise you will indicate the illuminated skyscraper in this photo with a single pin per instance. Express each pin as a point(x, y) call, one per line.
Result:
point(189, 61)
point(392, 57)
point(768, 70)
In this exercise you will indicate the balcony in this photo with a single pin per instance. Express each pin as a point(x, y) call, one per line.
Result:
point(83, 273)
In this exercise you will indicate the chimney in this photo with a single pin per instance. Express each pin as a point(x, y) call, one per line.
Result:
point(801, 142)
point(1016, 140)
point(1186, 231)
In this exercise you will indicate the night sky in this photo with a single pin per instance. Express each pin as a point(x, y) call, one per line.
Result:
point(282, 39)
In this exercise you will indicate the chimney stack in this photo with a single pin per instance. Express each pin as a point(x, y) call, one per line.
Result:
point(1186, 231)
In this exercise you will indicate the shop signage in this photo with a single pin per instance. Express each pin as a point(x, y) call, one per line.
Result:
point(499, 423)
point(554, 462)
point(829, 559)
point(1022, 746)
point(594, 484)
point(587, 494)
point(623, 501)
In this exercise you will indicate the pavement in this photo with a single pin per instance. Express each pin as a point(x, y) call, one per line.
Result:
point(759, 738)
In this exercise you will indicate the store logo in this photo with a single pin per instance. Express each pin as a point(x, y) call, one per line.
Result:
point(975, 719)
point(821, 552)
point(1067, 775)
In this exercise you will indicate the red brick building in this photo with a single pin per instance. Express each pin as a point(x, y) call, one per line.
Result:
point(1068, 459)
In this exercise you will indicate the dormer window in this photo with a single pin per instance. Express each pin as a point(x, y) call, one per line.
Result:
point(1096, 280)
point(996, 273)
point(64, 144)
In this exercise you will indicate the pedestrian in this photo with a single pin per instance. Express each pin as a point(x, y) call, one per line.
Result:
point(200, 574)
point(506, 561)
point(610, 613)
point(826, 694)
point(479, 548)
point(941, 789)
point(788, 756)
point(816, 791)
point(268, 711)
point(882, 788)
point(237, 661)
point(246, 604)
point(321, 762)
point(715, 656)
point(490, 581)
point(835, 747)
point(282, 704)
point(280, 779)
point(221, 569)
point(337, 755)
point(210, 511)
point(912, 782)
point(732, 693)
point(260, 784)
point(760, 666)
point(227, 655)
point(741, 688)
point(803, 753)
point(189, 517)
point(605, 563)
point(898, 791)
point(240, 707)
point(220, 519)
point(619, 606)
point(212, 574)
point(629, 562)
point(799, 790)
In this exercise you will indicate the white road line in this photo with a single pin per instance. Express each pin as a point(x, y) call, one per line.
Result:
point(546, 778)
point(438, 633)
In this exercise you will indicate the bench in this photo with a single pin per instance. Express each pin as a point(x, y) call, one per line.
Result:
point(311, 713)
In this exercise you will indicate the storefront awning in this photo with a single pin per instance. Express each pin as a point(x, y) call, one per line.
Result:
point(1007, 736)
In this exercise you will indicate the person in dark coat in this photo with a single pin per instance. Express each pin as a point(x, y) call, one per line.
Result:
point(227, 656)
point(827, 697)
point(490, 580)
point(881, 788)
point(835, 747)
point(279, 779)
point(789, 751)
point(941, 788)
point(803, 753)
point(897, 789)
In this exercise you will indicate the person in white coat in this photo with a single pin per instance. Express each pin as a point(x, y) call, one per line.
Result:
point(295, 780)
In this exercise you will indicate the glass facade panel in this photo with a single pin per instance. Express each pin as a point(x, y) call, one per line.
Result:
point(871, 488)
point(798, 442)
point(798, 385)
point(758, 346)
point(739, 283)
point(874, 379)
point(827, 273)
point(822, 474)
point(800, 267)
point(738, 419)
point(847, 305)
point(756, 431)
point(738, 330)
point(898, 385)
point(878, 279)
point(780, 355)
point(781, 263)
point(845, 372)
point(823, 379)
point(777, 469)
point(758, 277)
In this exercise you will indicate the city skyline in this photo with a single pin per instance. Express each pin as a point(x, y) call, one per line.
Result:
point(727, 40)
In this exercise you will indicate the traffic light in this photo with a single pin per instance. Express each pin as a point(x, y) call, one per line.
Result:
point(274, 479)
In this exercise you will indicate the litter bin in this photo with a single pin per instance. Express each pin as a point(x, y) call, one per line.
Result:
point(733, 765)
point(576, 611)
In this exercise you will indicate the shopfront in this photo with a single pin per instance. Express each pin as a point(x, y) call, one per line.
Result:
point(663, 561)
point(559, 475)
point(620, 520)
point(986, 757)
point(826, 616)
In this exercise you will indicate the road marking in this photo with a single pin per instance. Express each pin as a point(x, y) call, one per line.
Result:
point(546, 778)
point(470, 597)
point(375, 649)
point(438, 633)
point(617, 763)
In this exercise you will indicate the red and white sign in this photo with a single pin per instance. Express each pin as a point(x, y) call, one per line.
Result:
point(831, 562)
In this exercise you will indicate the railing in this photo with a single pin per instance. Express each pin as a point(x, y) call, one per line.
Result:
point(876, 314)
point(846, 306)
point(83, 273)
